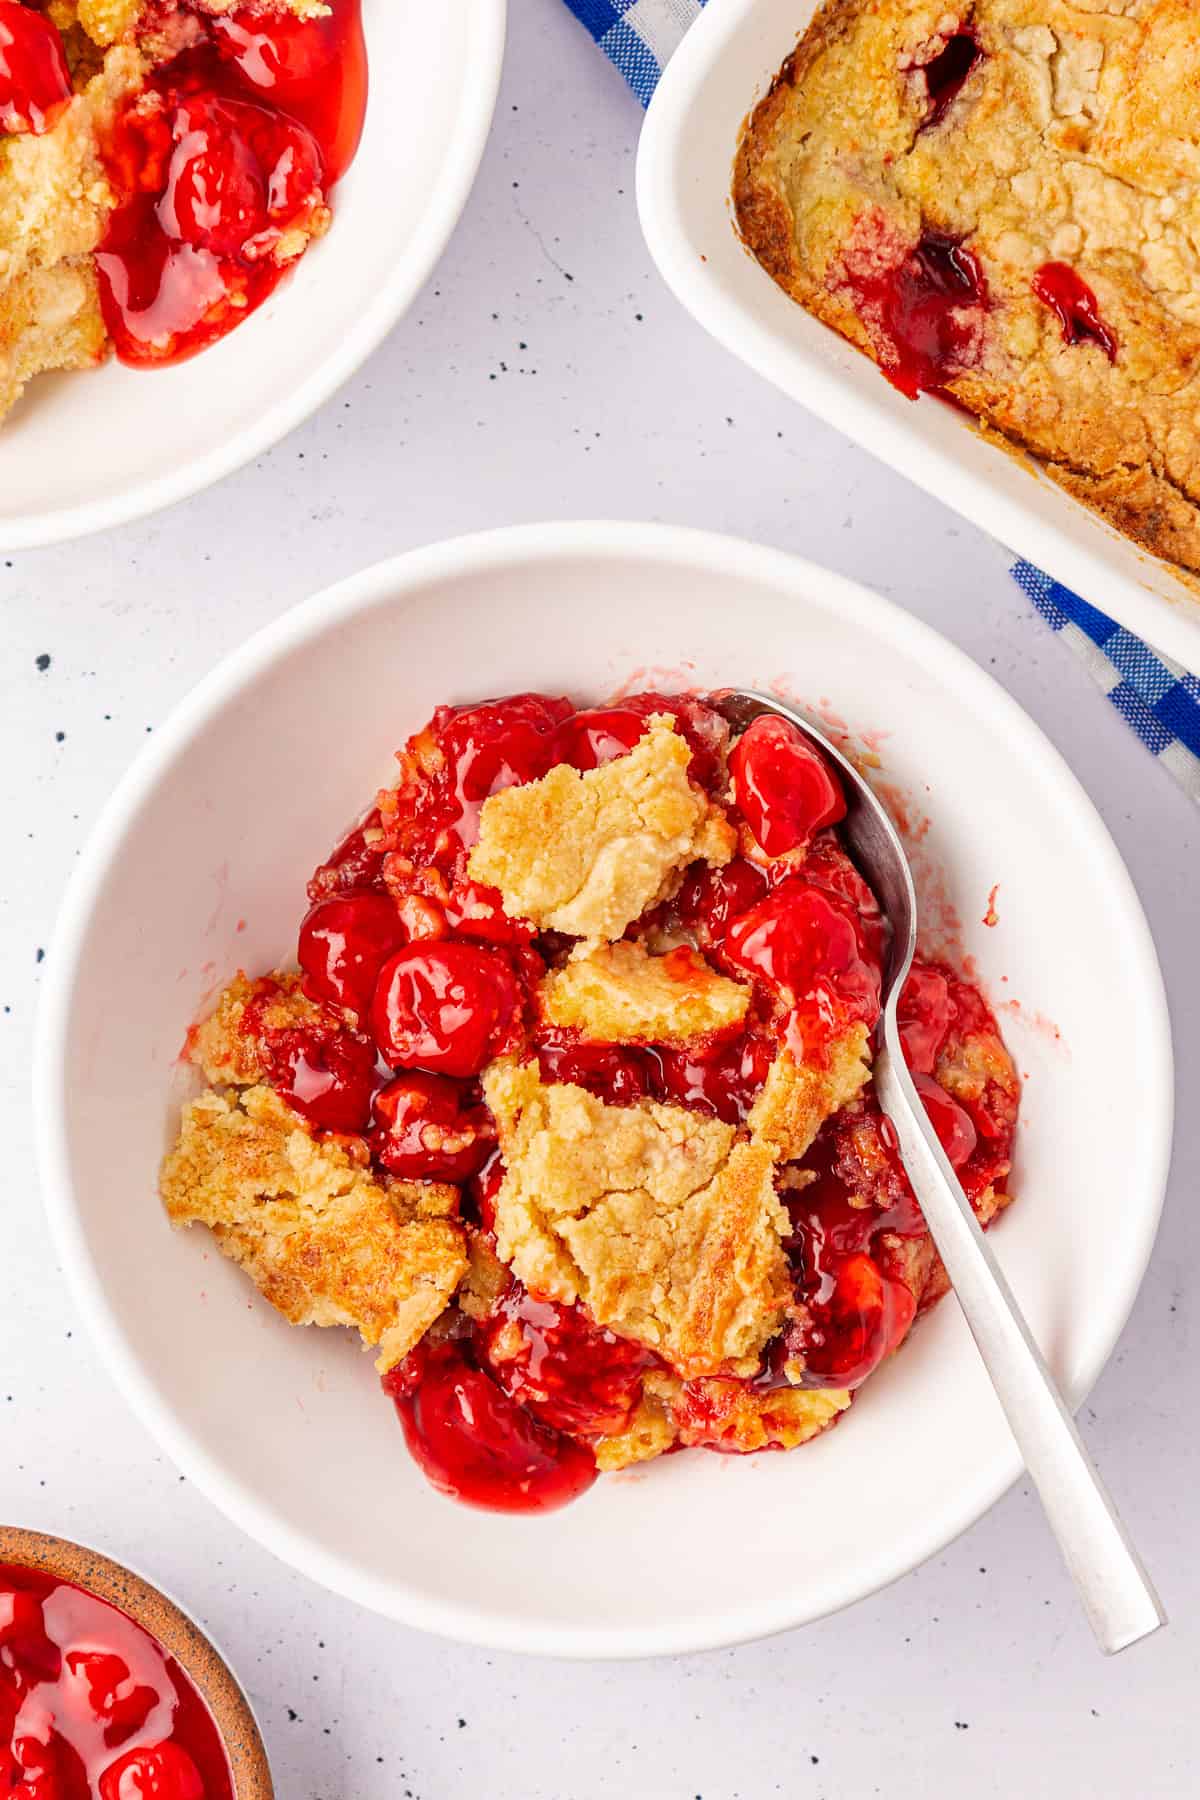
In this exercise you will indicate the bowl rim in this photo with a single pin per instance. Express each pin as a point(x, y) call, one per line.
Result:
point(1079, 558)
point(365, 332)
point(388, 583)
point(174, 1628)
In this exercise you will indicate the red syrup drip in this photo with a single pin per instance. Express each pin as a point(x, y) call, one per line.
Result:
point(921, 312)
point(475, 1444)
point(229, 147)
point(35, 83)
point(91, 1705)
point(1066, 293)
point(946, 74)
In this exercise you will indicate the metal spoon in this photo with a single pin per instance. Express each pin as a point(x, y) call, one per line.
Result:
point(1115, 1589)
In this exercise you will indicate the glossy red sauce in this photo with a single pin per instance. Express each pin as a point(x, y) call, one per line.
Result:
point(1066, 293)
point(92, 1707)
point(230, 146)
point(327, 1071)
point(35, 83)
point(568, 1371)
point(946, 74)
point(475, 1444)
point(925, 311)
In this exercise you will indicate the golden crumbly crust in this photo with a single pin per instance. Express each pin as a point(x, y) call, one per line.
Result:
point(668, 1230)
point(797, 1098)
point(1072, 140)
point(323, 1241)
point(619, 994)
point(651, 1431)
point(588, 853)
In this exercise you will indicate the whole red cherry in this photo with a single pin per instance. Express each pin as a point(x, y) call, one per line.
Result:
point(158, 1772)
point(329, 1078)
point(475, 1444)
point(783, 786)
point(216, 193)
point(429, 1128)
point(807, 943)
point(35, 83)
point(955, 1130)
point(344, 942)
point(865, 1317)
point(443, 1006)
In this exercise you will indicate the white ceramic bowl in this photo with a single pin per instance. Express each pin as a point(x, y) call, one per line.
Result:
point(86, 451)
point(725, 63)
point(199, 865)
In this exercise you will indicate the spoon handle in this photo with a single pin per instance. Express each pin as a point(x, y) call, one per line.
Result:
point(1116, 1591)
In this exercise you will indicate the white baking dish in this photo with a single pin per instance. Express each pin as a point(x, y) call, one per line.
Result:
point(725, 63)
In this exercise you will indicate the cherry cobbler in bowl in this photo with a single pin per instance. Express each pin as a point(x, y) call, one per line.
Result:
point(163, 163)
point(568, 1107)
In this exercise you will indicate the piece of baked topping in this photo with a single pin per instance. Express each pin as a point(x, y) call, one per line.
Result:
point(620, 994)
point(322, 1240)
point(587, 854)
point(664, 1226)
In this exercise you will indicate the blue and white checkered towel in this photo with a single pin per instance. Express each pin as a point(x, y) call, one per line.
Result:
point(1158, 699)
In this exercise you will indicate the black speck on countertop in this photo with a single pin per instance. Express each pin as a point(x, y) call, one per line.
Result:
point(43, 661)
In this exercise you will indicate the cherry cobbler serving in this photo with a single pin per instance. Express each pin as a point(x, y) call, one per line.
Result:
point(567, 1107)
point(162, 164)
point(998, 201)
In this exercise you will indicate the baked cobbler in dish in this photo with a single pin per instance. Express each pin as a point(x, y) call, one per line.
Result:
point(999, 201)
point(568, 1107)
point(162, 164)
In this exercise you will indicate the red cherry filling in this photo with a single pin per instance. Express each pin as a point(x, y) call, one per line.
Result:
point(956, 1133)
point(93, 1706)
point(866, 1316)
point(212, 182)
point(924, 311)
point(924, 1013)
point(1066, 293)
point(617, 1073)
point(25, 1649)
point(474, 910)
point(946, 73)
point(158, 1772)
point(427, 1127)
point(710, 898)
point(725, 1084)
point(784, 788)
point(444, 1006)
point(568, 1371)
point(223, 163)
point(474, 1444)
point(35, 83)
point(590, 739)
point(344, 942)
point(808, 945)
point(329, 1077)
point(315, 70)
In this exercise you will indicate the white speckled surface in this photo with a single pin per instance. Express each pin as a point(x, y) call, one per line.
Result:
point(545, 373)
